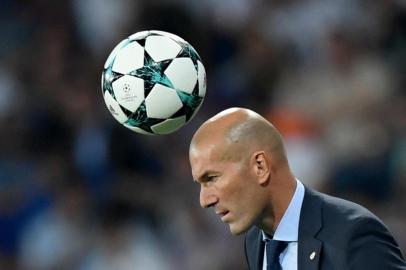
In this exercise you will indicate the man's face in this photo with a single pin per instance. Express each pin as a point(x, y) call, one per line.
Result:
point(230, 187)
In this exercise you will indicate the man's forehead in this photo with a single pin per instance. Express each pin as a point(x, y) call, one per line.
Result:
point(204, 166)
point(204, 155)
point(200, 163)
point(209, 151)
point(204, 142)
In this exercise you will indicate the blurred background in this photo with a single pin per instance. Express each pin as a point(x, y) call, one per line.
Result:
point(79, 191)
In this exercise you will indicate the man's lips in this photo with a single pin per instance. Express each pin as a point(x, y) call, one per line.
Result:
point(222, 214)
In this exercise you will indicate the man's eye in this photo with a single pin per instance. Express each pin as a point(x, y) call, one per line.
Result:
point(212, 177)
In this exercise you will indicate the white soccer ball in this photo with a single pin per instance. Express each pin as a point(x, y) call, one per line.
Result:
point(153, 82)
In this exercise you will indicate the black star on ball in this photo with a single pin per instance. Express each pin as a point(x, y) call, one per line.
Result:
point(152, 73)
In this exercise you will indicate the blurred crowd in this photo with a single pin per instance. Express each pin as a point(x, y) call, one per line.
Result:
point(79, 191)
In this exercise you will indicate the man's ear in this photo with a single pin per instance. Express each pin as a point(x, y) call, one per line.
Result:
point(261, 166)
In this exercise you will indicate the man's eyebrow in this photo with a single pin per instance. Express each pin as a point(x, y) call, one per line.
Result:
point(204, 177)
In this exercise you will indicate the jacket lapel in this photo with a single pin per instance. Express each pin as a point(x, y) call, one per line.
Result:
point(309, 254)
point(254, 249)
point(259, 257)
point(309, 247)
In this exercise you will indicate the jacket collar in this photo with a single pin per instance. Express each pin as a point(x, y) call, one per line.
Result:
point(309, 247)
point(254, 248)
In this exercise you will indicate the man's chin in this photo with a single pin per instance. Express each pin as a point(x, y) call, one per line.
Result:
point(235, 230)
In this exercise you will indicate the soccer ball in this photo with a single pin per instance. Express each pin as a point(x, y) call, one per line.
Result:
point(153, 82)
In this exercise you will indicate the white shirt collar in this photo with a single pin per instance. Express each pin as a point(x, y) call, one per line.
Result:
point(288, 228)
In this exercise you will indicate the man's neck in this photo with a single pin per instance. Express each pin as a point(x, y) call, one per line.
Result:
point(281, 195)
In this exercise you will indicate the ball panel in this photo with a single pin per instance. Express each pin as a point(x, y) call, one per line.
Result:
point(116, 49)
point(196, 109)
point(182, 73)
point(139, 35)
point(108, 77)
point(190, 104)
point(129, 92)
point(169, 125)
point(161, 48)
point(140, 119)
point(202, 79)
point(172, 36)
point(129, 58)
point(189, 52)
point(114, 108)
point(138, 130)
point(162, 102)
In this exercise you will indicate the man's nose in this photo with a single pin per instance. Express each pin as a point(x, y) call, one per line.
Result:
point(207, 197)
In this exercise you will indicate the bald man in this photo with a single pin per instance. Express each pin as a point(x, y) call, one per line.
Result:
point(240, 162)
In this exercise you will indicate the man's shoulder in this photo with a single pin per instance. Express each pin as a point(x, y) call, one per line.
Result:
point(334, 213)
point(340, 218)
point(352, 235)
point(340, 210)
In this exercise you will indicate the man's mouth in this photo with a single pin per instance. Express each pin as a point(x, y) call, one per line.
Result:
point(223, 214)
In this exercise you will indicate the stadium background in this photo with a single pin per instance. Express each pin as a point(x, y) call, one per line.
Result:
point(78, 191)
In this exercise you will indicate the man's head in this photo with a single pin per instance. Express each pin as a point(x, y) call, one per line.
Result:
point(235, 157)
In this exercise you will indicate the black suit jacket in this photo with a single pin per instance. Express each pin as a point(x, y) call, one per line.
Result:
point(341, 235)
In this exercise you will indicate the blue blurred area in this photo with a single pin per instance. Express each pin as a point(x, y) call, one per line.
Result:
point(79, 191)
